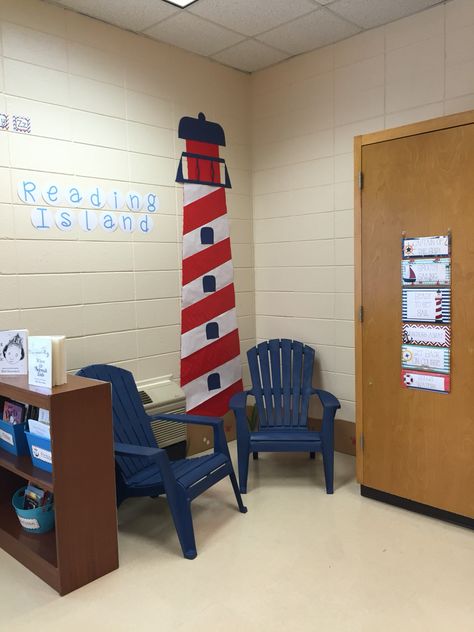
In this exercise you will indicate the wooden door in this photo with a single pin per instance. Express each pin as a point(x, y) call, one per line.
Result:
point(417, 444)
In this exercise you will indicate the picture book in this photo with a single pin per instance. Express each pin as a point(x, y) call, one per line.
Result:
point(40, 361)
point(36, 497)
point(47, 361)
point(13, 352)
point(13, 412)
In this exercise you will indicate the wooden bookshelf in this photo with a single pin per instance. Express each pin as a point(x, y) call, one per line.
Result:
point(83, 545)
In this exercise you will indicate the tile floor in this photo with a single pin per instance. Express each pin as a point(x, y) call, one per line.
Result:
point(298, 560)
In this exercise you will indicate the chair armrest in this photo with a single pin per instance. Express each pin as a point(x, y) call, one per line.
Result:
point(239, 400)
point(127, 449)
point(238, 403)
point(217, 424)
point(327, 399)
point(188, 419)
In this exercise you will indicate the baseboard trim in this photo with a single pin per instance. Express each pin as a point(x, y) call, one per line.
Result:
point(412, 505)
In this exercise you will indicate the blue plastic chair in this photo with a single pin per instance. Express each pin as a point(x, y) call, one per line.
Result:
point(144, 469)
point(281, 372)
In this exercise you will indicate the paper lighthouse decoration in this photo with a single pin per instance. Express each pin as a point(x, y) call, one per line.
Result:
point(438, 306)
point(211, 371)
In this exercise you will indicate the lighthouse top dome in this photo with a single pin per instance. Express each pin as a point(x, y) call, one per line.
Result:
point(201, 130)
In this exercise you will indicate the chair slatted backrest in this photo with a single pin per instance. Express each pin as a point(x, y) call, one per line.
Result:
point(130, 421)
point(281, 373)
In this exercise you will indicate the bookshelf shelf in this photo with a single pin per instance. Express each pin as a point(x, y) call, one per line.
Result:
point(79, 549)
point(23, 466)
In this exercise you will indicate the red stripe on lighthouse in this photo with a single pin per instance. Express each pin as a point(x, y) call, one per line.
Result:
point(198, 264)
point(204, 210)
point(219, 404)
point(209, 357)
point(207, 309)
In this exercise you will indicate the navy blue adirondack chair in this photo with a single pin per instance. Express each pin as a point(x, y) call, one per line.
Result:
point(144, 469)
point(281, 372)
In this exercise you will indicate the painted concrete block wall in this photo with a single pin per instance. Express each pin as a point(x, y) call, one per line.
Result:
point(305, 113)
point(105, 105)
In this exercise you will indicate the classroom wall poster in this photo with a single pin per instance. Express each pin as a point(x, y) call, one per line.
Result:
point(426, 358)
point(426, 271)
point(423, 334)
point(426, 305)
point(426, 381)
point(436, 246)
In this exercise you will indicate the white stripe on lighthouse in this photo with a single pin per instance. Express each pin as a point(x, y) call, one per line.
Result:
point(194, 192)
point(192, 240)
point(196, 338)
point(198, 392)
point(193, 291)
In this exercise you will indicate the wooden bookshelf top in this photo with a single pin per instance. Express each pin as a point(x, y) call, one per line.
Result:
point(18, 388)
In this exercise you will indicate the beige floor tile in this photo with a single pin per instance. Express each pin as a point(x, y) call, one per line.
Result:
point(299, 560)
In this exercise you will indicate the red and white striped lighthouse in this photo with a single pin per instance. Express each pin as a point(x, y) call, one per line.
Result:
point(211, 371)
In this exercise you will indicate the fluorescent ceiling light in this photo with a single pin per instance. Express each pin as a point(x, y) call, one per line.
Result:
point(182, 4)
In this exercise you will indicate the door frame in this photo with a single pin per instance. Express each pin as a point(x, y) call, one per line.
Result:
point(423, 127)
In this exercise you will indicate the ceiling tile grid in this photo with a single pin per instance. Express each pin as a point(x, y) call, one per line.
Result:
point(248, 35)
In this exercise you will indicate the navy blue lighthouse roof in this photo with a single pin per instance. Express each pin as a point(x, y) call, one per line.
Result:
point(201, 130)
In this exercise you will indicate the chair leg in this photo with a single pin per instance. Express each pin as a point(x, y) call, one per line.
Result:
point(243, 462)
point(328, 462)
point(255, 456)
point(183, 521)
point(238, 497)
point(312, 455)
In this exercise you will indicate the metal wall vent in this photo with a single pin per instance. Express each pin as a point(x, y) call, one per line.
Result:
point(146, 399)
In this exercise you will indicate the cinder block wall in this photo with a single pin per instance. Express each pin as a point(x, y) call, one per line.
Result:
point(305, 113)
point(104, 107)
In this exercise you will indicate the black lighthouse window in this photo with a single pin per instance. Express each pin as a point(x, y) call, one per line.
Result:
point(207, 235)
point(212, 331)
point(213, 381)
point(209, 283)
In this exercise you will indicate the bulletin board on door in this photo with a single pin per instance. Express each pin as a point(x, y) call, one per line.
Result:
point(413, 184)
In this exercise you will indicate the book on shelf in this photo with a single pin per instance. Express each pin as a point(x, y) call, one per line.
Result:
point(13, 412)
point(47, 361)
point(38, 422)
point(39, 428)
point(13, 352)
point(36, 497)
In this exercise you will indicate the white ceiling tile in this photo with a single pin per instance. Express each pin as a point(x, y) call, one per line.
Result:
point(194, 34)
point(309, 32)
point(250, 55)
point(370, 13)
point(134, 16)
point(213, 27)
point(250, 16)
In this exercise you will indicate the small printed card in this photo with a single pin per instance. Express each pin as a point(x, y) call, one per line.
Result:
point(426, 305)
point(426, 381)
point(426, 271)
point(425, 358)
point(40, 361)
point(13, 352)
point(436, 246)
point(431, 335)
